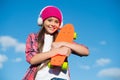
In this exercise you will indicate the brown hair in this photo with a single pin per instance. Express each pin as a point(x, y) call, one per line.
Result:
point(41, 38)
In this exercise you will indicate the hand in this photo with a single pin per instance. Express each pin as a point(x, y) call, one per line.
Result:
point(58, 44)
point(62, 51)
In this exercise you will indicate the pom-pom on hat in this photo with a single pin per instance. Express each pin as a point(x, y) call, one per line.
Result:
point(50, 11)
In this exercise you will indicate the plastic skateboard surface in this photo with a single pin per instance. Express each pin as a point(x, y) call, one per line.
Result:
point(66, 34)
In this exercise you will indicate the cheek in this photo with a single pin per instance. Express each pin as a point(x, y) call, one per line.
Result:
point(58, 25)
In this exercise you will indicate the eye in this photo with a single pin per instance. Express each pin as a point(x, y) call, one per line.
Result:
point(49, 20)
point(56, 21)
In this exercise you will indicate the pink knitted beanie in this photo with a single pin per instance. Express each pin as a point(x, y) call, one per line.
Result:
point(50, 11)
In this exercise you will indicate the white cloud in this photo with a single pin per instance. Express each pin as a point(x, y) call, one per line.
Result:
point(93, 49)
point(86, 67)
point(7, 42)
point(110, 72)
point(1, 65)
point(102, 62)
point(3, 58)
point(20, 47)
point(103, 42)
point(17, 60)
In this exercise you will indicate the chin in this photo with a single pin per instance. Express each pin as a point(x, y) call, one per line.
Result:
point(51, 32)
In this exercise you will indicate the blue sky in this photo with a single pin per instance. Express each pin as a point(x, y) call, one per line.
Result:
point(97, 23)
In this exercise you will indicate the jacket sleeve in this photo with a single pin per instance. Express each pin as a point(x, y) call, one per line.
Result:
point(31, 48)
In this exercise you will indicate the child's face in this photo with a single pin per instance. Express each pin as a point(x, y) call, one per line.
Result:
point(51, 24)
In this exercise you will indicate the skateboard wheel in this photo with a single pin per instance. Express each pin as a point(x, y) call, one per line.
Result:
point(65, 66)
point(75, 35)
point(49, 65)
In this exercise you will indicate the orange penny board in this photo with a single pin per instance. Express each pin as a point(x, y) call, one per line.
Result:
point(66, 34)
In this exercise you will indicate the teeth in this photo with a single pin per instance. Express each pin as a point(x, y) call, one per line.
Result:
point(51, 28)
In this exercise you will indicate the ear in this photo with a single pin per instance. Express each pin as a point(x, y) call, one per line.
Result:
point(40, 21)
point(61, 25)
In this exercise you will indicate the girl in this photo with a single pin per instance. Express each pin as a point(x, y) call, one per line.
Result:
point(41, 47)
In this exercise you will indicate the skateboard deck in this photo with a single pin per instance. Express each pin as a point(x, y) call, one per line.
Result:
point(66, 34)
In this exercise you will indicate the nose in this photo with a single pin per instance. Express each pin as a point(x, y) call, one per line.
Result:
point(54, 26)
point(53, 23)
